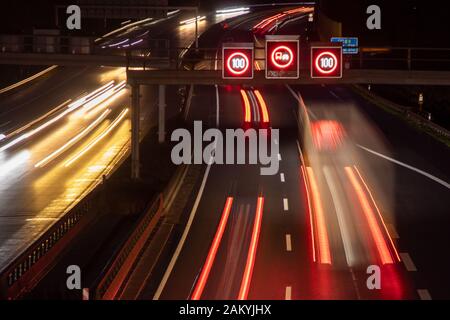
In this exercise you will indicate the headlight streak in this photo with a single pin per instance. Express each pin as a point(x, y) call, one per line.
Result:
point(98, 138)
point(70, 107)
point(72, 141)
point(103, 96)
point(12, 163)
point(192, 20)
point(91, 95)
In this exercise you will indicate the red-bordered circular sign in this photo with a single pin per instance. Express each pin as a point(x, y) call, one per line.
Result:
point(238, 63)
point(282, 57)
point(326, 62)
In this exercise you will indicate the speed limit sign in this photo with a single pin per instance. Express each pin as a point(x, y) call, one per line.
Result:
point(326, 61)
point(237, 61)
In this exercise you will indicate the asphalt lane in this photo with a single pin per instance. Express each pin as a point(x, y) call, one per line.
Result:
point(33, 198)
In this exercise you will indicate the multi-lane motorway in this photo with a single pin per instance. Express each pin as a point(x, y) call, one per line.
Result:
point(60, 134)
point(354, 190)
point(357, 188)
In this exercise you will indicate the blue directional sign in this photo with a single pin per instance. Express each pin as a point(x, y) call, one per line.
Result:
point(349, 44)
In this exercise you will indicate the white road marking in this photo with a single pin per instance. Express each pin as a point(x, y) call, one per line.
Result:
point(285, 204)
point(436, 179)
point(85, 294)
point(424, 294)
point(300, 153)
point(184, 235)
point(288, 293)
point(335, 95)
point(407, 261)
point(392, 231)
point(215, 64)
point(288, 243)
point(4, 124)
point(217, 106)
point(345, 232)
point(279, 157)
point(282, 177)
point(296, 96)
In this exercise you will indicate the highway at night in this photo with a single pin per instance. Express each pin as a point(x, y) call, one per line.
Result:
point(357, 207)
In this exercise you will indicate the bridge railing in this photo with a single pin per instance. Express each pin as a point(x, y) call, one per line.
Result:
point(146, 52)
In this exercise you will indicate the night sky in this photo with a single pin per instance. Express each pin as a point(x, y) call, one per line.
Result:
point(404, 22)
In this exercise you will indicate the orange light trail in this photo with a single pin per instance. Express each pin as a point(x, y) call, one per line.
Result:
point(247, 278)
point(379, 213)
point(322, 234)
point(263, 106)
point(311, 222)
point(98, 138)
point(212, 251)
point(377, 235)
point(248, 114)
point(72, 141)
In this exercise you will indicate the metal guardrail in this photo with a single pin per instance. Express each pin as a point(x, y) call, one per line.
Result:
point(112, 280)
point(25, 271)
point(28, 268)
point(405, 111)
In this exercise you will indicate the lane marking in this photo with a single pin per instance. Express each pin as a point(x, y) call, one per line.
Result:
point(435, 179)
point(282, 177)
point(424, 294)
point(311, 221)
point(288, 243)
point(335, 95)
point(407, 261)
point(288, 293)
point(285, 204)
point(355, 284)
point(217, 106)
point(184, 235)
point(203, 278)
point(299, 99)
point(279, 157)
point(4, 124)
point(263, 106)
point(378, 211)
point(300, 153)
point(343, 226)
point(392, 231)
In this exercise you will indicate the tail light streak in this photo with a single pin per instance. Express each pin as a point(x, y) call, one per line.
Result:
point(263, 106)
point(247, 112)
point(200, 285)
point(319, 220)
point(379, 214)
point(377, 235)
point(251, 256)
